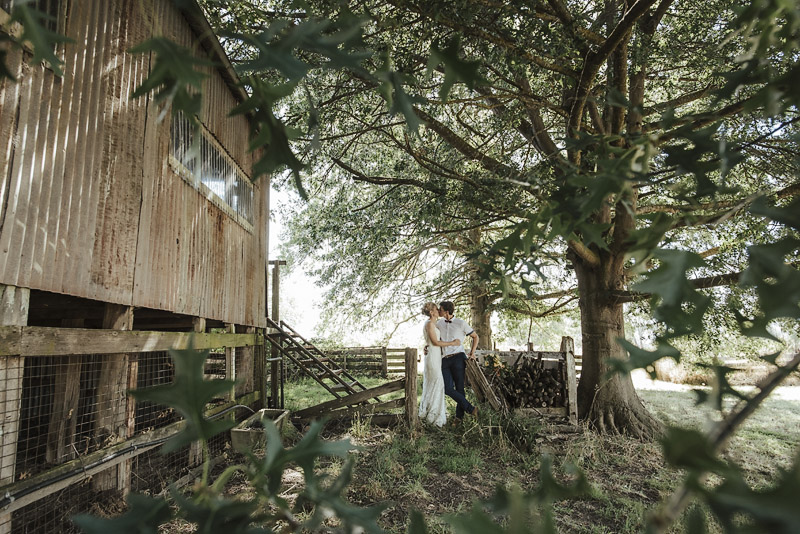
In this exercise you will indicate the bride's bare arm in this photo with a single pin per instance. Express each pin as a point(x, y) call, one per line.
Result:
point(437, 342)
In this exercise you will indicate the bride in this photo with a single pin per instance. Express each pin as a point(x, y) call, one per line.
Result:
point(432, 406)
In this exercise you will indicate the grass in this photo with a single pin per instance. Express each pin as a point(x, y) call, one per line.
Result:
point(441, 471)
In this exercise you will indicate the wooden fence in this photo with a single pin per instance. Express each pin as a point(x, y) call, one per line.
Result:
point(368, 403)
point(383, 361)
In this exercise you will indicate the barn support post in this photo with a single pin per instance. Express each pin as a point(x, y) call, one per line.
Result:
point(411, 388)
point(14, 302)
point(568, 348)
point(195, 448)
point(275, 356)
point(66, 393)
point(111, 423)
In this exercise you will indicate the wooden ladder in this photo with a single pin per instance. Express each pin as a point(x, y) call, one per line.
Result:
point(312, 361)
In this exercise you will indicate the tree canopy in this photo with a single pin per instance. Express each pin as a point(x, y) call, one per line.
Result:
point(611, 142)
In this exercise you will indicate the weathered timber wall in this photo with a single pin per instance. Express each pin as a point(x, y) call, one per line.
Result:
point(89, 205)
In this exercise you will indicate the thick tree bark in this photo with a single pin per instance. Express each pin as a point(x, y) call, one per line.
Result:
point(480, 316)
point(609, 404)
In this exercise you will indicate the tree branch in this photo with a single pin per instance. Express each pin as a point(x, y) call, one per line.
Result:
point(584, 253)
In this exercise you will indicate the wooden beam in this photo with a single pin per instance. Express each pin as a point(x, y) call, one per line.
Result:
point(355, 398)
point(365, 410)
point(14, 303)
point(46, 341)
point(412, 415)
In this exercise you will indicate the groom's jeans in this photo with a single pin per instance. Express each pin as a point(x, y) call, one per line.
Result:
point(453, 370)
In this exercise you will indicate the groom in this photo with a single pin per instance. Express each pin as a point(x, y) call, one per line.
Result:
point(454, 359)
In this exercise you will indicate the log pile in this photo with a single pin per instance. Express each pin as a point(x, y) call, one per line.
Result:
point(528, 383)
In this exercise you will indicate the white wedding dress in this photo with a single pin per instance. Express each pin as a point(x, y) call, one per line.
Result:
point(432, 407)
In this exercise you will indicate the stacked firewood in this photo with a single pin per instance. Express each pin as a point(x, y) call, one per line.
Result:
point(527, 383)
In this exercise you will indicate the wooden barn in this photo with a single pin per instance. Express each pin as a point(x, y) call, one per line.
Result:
point(114, 246)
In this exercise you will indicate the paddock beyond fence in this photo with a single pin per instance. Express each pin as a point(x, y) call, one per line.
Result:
point(383, 361)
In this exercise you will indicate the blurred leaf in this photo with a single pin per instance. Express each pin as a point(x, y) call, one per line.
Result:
point(189, 394)
point(144, 516)
point(416, 523)
point(213, 514)
point(35, 32)
point(689, 449)
point(455, 69)
point(720, 386)
point(174, 77)
point(639, 358)
point(677, 303)
point(773, 510)
point(696, 521)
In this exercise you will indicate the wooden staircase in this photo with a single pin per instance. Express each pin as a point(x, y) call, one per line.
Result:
point(312, 361)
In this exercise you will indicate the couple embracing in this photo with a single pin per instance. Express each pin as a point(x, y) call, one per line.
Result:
point(445, 363)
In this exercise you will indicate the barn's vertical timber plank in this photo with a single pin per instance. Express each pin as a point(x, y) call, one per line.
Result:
point(73, 241)
point(14, 303)
point(111, 417)
point(66, 394)
point(9, 106)
point(43, 174)
point(245, 367)
point(568, 348)
point(17, 200)
point(92, 203)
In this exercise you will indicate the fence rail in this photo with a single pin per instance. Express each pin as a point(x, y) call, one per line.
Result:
point(384, 361)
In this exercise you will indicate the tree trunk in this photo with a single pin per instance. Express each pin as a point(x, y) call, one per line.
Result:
point(480, 300)
point(609, 404)
point(480, 316)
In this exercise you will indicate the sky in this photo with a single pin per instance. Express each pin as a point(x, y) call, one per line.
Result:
point(301, 298)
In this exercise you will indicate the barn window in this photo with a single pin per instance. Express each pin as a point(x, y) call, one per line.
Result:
point(206, 165)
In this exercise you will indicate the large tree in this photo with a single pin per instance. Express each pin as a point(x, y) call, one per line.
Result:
point(598, 126)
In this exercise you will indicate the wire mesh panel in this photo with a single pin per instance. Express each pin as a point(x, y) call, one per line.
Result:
point(58, 408)
point(55, 411)
point(154, 369)
point(54, 513)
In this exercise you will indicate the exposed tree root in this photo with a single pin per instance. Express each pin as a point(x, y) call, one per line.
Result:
point(624, 418)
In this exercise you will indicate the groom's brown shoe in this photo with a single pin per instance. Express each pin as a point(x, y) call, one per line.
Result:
point(474, 412)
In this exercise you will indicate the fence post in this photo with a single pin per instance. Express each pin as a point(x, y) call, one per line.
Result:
point(411, 387)
point(384, 363)
point(568, 348)
point(14, 302)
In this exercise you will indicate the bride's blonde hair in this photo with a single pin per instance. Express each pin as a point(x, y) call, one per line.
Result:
point(427, 307)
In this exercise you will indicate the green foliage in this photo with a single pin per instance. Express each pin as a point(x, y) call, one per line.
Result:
point(35, 34)
point(175, 77)
point(189, 394)
point(144, 515)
